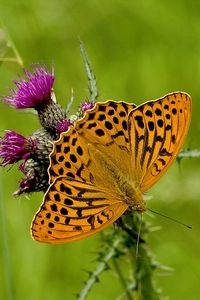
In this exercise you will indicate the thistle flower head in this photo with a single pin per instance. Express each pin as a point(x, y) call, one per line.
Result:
point(34, 154)
point(36, 177)
point(14, 147)
point(86, 105)
point(33, 91)
point(63, 125)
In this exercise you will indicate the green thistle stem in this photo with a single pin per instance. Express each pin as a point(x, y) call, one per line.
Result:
point(189, 153)
point(122, 279)
point(144, 273)
point(92, 82)
point(102, 266)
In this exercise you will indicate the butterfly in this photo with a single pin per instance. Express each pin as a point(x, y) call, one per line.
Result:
point(105, 162)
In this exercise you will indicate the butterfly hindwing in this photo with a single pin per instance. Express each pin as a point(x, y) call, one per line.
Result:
point(72, 210)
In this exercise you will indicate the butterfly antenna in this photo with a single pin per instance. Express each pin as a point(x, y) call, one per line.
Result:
point(138, 238)
point(170, 218)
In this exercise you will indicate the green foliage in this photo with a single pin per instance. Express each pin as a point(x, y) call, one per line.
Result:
point(141, 266)
point(8, 50)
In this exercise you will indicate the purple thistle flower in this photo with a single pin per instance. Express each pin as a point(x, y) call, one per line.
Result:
point(36, 177)
point(86, 106)
point(33, 91)
point(14, 147)
point(34, 153)
point(63, 126)
point(24, 186)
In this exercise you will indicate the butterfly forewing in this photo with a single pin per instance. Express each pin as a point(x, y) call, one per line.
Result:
point(157, 132)
point(105, 123)
point(101, 125)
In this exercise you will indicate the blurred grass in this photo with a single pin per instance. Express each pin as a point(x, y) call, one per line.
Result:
point(139, 50)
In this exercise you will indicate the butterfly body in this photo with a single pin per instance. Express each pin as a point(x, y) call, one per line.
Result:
point(127, 190)
point(105, 162)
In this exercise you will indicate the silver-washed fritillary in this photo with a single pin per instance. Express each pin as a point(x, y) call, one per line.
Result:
point(105, 162)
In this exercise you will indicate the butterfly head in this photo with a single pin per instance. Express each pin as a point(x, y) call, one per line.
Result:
point(139, 207)
point(133, 196)
point(139, 204)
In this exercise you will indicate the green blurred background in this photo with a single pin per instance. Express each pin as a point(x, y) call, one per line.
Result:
point(139, 50)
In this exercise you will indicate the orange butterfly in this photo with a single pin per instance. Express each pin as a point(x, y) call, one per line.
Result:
point(105, 162)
